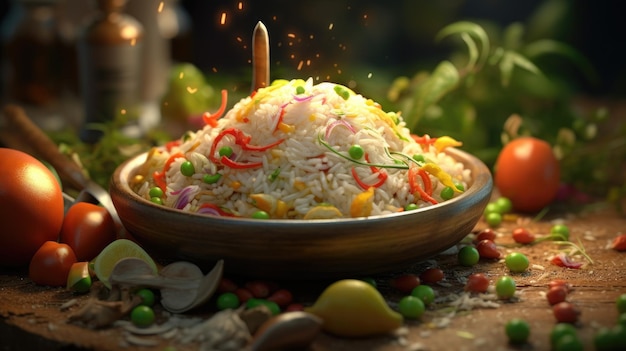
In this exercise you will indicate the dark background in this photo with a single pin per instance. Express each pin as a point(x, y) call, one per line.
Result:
point(387, 37)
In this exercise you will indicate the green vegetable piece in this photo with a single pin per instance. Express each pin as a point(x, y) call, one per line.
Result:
point(491, 207)
point(271, 305)
point(155, 192)
point(493, 219)
point(419, 158)
point(424, 293)
point(260, 215)
point(505, 287)
point(504, 204)
point(411, 307)
point(516, 262)
point(187, 169)
point(142, 316)
point(447, 193)
point(227, 300)
point(620, 303)
point(272, 177)
point(356, 152)
point(411, 207)
point(468, 256)
point(341, 91)
point(560, 230)
point(147, 297)
point(211, 178)
point(517, 330)
point(225, 151)
point(299, 90)
point(370, 281)
point(460, 186)
point(569, 343)
point(156, 200)
point(560, 330)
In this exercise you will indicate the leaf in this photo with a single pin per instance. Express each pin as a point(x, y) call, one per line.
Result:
point(475, 31)
point(444, 78)
point(510, 59)
point(548, 46)
point(473, 51)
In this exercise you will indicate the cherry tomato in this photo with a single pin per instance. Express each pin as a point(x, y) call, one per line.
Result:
point(486, 234)
point(87, 229)
point(226, 285)
point(51, 264)
point(527, 173)
point(556, 294)
point(282, 297)
point(565, 312)
point(32, 207)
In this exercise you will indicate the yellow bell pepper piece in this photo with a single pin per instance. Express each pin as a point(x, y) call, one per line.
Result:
point(440, 174)
point(362, 204)
point(445, 141)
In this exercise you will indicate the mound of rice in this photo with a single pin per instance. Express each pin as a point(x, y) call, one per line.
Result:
point(301, 150)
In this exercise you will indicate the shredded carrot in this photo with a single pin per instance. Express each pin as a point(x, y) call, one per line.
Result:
point(211, 119)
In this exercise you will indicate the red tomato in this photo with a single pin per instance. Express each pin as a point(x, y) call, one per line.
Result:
point(51, 264)
point(87, 229)
point(405, 283)
point(32, 207)
point(527, 173)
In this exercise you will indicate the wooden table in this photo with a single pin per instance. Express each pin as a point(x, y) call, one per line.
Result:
point(32, 318)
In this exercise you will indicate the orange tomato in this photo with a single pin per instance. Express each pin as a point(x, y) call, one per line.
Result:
point(87, 229)
point(51, 264)
point(32, 207)
point(527, 173)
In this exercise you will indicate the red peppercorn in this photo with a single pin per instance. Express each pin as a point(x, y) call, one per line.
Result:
point(485, 234)
point(523, 236)
point(619, 243)
point(487, 249)
point(431, 275)
point(406, 282)
point(282, 297)
point(477, 283)
point(565, 312)
point(259, 289)
point(226, 285)
point(556, 294)
point(243, 294)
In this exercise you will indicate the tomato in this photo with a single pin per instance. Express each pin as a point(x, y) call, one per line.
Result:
point(32, 207)
point(87, 229)
point(527, 173)
point(51, 264)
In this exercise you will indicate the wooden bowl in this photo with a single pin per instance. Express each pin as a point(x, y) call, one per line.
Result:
point(303, 249)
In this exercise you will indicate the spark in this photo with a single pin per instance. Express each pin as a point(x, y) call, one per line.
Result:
point(291, 35)
point(369, 75)
point(181, 75)
point(300, 65)
point(133, 42)
point(240, 5)
point(223, 18)
point(214, 69)
point(161, 5)
point(239, 39)
point(191, 90)
point(330, 26)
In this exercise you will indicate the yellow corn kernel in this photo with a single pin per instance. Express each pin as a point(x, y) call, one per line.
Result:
point(286, 128)
point(300, 185)
point(235, 185)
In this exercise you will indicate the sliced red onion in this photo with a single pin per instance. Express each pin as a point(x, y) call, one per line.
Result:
point(208, 211)
point(303, 98)
point(562, 260)
point(338, 122)
point(185, 196)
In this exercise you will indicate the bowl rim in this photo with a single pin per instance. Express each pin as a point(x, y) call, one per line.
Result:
point(481, 181)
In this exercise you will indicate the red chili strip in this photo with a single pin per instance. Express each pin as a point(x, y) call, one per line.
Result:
point(239, 165)
point(242, 140)
point(416, 188)
point(159, 177)
point(211, 119)
point(382, 176)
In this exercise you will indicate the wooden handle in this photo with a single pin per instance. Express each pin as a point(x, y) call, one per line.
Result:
point(28, 133)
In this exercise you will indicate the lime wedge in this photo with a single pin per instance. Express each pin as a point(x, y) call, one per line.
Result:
point(115, 251)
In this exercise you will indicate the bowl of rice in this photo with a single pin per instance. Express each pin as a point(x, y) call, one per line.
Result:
point(302, 180)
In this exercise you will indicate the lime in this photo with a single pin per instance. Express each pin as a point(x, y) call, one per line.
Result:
point(115, 251)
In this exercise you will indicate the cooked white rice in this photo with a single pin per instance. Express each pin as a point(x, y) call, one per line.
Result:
point(307, 172)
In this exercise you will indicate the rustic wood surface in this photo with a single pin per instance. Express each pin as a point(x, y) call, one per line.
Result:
point(31, 316)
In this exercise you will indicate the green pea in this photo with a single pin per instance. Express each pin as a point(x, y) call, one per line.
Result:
point(493, 219)
point(299, 90)
point(356, 152)
point(142, 316)
point(271, 305)
point(620, 302)
point(569, 343)
point(341, 91)
point(155, 192)
point(447, 193)
point(370, 281)
point(560, 330)
point(517, 330)
point(504, 204)
point(468, 256)
point(491, 207)
point(187, 169)
point(505, 287)
point(516, 262)
point(147, 297)
point(560, 230)
point(605, 340)
point(225, 151)
point(411, 207)
point(411, 307)
point(211, 178)
point(156, 200)
point(227, 300)
point(460, 186)
point(424, 293)
point(260, 215)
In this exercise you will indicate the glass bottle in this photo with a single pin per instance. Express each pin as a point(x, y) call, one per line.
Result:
point(109, 56)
